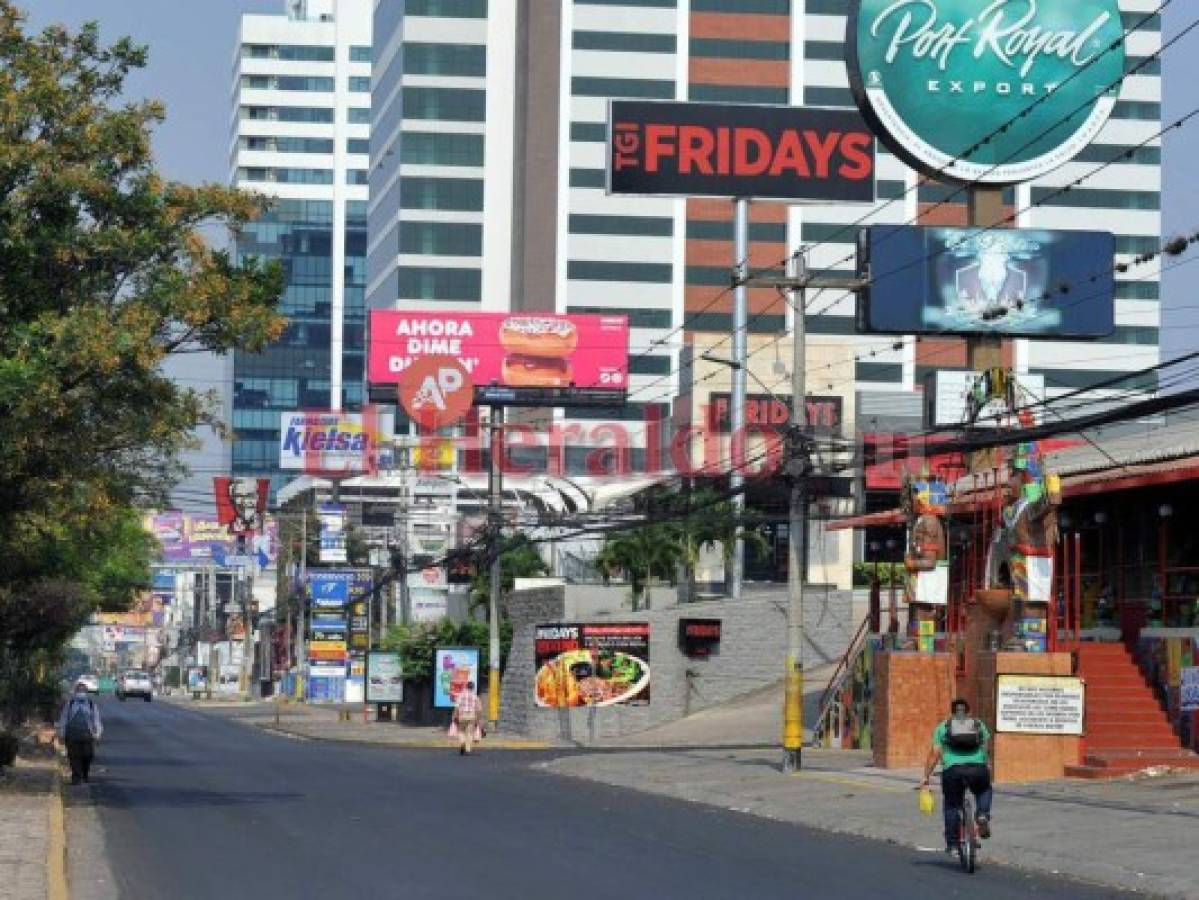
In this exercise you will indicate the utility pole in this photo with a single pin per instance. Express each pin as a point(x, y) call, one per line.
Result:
point(798, 467)
point(737, 401)
point(495, 539)
point(797, 519)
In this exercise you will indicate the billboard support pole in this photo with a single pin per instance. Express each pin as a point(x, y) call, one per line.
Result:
point(495, 514)
point(737, 400)
point(984, 208)
point(302, 616)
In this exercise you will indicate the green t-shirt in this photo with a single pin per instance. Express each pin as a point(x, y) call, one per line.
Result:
point(953, 757)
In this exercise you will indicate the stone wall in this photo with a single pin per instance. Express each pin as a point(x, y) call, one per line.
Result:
point(750, 656)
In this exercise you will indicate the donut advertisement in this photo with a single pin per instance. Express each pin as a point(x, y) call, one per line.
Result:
point(524, 352)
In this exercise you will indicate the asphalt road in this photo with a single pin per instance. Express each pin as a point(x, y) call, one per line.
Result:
point(194, 806)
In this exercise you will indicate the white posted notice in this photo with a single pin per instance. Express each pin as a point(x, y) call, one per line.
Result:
point(1039, 704)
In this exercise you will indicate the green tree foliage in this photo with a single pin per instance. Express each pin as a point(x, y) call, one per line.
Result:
point(519, 558)
point(417, 643)
point(104, 273)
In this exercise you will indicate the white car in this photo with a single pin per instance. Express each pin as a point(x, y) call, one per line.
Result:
point(135, 684)
point(91, 681)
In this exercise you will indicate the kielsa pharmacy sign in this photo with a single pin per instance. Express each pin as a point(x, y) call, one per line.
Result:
point(995, 92)
point(795, 154)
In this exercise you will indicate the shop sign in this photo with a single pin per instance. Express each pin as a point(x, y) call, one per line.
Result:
point(934, 78)
point(698, 637)
point(1039, 704)
point(682, 149)
point(591, 665)
point(774, 411)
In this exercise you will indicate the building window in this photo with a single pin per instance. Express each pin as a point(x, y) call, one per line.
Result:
point(441, 149)
point(731, 93)
point(287, 144)
point(358, 115)
point(622, 87)
point(886, 373)
point(313, 114)
point(459, 194)
point(441, 238)
point(360, 54)
point(1141, 111)
point(703, 230)
point(828, 96)
point(357, 176)
point(286, 83)
point(446, 104)
point(450, 9)
point(286, 176)
point(633, 225)
point(649, 273)
point(624, 41)
point(360, 84)
point(721, 48)
point(1097, 198)
point(468, 60)
point(289, 52)
point(761, 7)
point(357, 145)
point(638, 318)
point(591, 132)
point(588, 178)
point(427, 283)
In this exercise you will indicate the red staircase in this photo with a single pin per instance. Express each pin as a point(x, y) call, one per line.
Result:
point(1127, 728)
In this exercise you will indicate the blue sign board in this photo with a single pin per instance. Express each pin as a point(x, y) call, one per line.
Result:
point(998, 281)
point(329, 589)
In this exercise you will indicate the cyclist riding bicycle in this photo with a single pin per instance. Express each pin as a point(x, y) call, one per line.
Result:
point(961, 743)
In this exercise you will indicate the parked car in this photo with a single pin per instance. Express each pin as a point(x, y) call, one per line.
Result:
point(135, 684)
point(91, 681)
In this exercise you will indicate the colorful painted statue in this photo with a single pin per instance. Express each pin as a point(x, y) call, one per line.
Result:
point(1022, 550)
point(927, 557)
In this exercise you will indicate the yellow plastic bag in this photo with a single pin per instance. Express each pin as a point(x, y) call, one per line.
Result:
point(927, 803)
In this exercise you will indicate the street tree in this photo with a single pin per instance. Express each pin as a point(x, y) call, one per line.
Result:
point(105, 272)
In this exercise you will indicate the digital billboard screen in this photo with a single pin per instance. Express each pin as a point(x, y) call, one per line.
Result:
point(519, 359)
point(999, 281)
point(680, 149)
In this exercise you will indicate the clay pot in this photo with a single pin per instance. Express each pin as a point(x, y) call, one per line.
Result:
point(996, 601)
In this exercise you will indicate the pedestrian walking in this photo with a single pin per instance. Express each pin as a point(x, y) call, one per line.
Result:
point(467, 713)
point(79, 727)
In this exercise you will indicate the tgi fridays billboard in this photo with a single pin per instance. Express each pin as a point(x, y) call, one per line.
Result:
point(787, 153)
point(515, 359)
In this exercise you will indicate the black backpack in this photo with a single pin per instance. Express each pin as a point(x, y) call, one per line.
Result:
point(79, 720)
point(963, 735)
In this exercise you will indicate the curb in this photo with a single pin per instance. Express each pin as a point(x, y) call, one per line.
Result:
point(56, 844)
point(424, 744)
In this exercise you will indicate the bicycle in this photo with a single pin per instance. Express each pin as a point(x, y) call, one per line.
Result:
point(968, 843)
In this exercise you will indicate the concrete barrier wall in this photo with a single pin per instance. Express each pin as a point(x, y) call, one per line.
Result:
point(750, 656)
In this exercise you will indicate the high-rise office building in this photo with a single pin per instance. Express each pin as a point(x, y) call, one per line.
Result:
point(300, 131)
point(487, 183)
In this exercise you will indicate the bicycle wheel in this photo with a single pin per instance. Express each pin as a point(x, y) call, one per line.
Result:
point(966, 845)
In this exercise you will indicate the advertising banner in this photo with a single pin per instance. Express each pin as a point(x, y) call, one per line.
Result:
point(197, 678)
point(241, 502)
point(195, 539)
point(682, 149)
point(947, 391)
point(527, 359)
point(591, 665)
point(1000, 92)
point(1020, 283)
point(453, 669)
point(326, 684)
point(329, 590)
point(333, 532)
point(331, 442)
point(1039, 704)
point(384, 678)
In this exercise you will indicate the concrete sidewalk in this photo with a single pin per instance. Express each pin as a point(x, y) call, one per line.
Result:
point(1138, 834)
point(318, 723)
point(28, 795)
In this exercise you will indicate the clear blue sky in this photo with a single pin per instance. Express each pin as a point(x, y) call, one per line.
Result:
point(191, 46)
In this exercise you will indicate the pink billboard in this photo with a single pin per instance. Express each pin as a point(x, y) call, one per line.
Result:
point(511, 357)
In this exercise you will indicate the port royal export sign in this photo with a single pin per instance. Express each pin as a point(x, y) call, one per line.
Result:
point(934, 78)
point(679, 149)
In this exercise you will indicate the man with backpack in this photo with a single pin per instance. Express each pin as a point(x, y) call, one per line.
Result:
point(961, 743)
point(79, 728)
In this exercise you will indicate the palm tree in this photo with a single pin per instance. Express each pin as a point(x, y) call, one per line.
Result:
point(643, 555)
point(706, 519)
